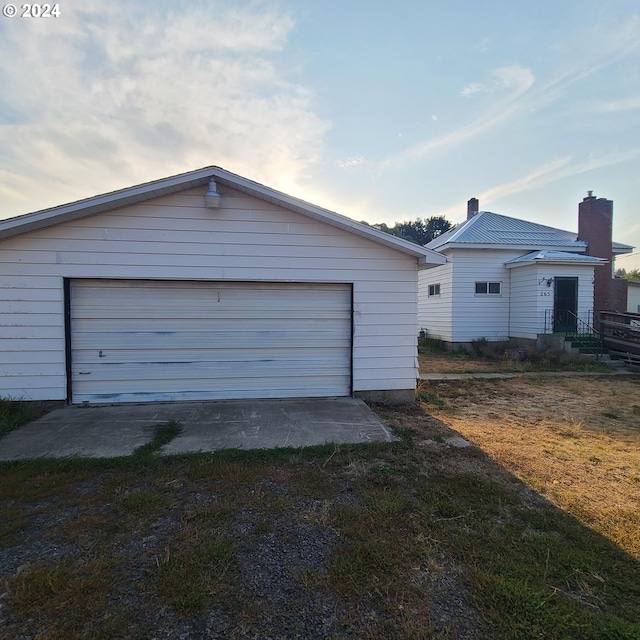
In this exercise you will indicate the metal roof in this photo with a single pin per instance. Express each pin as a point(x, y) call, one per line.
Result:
point(491, 228)
point(487, 228)
point(537, 257)
point(200, 177)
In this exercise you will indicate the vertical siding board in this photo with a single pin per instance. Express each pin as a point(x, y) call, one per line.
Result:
point(176, 238)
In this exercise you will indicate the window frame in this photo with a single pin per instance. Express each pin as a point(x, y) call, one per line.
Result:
point(488, 285)
point(433, 290)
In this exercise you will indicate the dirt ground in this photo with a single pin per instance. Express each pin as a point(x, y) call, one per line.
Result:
point(575, 440)
point(453, 363)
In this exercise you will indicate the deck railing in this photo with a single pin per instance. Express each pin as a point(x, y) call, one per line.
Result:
point(582, 324)
point(620, 333)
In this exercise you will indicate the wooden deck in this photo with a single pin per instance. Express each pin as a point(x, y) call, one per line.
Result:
point(620, 333)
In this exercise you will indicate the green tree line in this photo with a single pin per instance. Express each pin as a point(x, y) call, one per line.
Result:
point(420, 231)
point(634, 274)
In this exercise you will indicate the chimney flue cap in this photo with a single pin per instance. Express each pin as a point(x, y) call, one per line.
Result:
point(472, 207)
point(590, 196)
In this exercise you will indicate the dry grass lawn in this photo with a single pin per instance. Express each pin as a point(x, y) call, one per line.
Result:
point(455, 363)
point(576, 440)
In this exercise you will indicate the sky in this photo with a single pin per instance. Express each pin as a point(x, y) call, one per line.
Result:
point(380, 111)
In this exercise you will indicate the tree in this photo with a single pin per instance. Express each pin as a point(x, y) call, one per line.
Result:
point(419, 231)
point(634, 274)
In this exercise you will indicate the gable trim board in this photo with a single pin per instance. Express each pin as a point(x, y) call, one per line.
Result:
point(253, 241)
point(201, 177)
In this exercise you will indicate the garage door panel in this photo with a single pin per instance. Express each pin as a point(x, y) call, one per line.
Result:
point(202, 324)
point(194, 388)
point(235, 394)
point(206, 369)
point(116, 344)
point(186, 313)
point(221, 356)
point(152, 341)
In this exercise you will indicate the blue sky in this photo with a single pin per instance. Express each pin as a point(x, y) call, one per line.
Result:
point(380, 111)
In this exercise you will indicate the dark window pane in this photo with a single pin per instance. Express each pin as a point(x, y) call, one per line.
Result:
point(481, 287)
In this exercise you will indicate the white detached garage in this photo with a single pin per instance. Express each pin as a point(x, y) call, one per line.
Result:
point(204, 286)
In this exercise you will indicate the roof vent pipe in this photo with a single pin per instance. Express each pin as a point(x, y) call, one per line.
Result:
point(472, 208)
point(212, 199)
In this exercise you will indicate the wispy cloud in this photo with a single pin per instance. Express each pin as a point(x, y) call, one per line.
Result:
point(516, 80)
point(351, 162)
point(516, 91)
point(471, 89)
point(108, 96)
point(547, 173)
point(615, 106)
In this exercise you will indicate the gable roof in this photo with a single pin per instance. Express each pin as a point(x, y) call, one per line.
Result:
point(201, 177)
point(491, 230)
point(554, 257)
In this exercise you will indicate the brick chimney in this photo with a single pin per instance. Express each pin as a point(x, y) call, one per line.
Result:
point(472, 208)
point(595, 224)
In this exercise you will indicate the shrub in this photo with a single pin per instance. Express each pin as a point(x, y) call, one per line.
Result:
point(430, 345)
point(13, 414)
point(480, 347)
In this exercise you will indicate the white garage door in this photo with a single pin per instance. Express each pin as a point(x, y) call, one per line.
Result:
point(148, 341)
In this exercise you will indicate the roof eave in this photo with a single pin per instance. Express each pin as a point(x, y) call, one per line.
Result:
point(577, 248)
point(324, 215)
point(165, 186)
point(622, 249)
point(573, 263)
point(101, 203)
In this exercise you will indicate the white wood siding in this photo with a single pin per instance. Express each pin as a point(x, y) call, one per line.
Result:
point(435, 312)
point(480, 315)
point(633, 297)
point(176, 237)
point(528, 302)
point(532, 299)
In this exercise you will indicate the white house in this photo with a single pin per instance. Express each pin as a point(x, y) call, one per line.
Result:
point(205, 285)
point(633, 296)
point(508, 278)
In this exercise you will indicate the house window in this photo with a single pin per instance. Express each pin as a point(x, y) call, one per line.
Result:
point(492, 288)
point(434, 289)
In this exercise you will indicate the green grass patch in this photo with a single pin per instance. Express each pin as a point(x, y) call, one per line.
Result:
point(61, 598)
point(143, 503)
point(432, 345)
point(430, 397)
point(13, 414)
point(13, 519)
point(199, 570)
point(162, 434)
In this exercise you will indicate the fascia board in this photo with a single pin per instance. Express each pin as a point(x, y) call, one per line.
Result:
point(132, 195)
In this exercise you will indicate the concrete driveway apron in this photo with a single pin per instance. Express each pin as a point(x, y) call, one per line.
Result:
point(118, 430)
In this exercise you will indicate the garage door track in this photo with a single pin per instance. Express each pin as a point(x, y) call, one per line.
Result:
point(112, 431)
